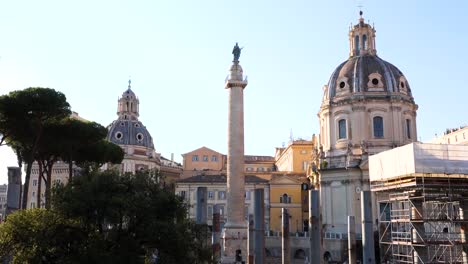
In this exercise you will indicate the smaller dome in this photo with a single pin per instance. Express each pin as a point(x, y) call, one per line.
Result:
point(129, 132)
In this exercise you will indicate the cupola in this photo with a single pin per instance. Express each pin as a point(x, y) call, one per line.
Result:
point(362, 39)
point(128, 108)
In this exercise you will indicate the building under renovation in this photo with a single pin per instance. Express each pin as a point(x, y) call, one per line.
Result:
point(422, 193)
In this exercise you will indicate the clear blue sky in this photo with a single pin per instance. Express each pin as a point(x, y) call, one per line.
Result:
point(178, 54)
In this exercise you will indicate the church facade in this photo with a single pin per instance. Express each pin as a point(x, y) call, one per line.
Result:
point(367, 107)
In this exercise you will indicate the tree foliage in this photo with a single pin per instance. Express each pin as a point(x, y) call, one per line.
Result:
point(116, 219)
point(24, 114)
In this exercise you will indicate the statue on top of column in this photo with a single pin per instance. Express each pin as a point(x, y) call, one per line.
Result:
point(236, 51)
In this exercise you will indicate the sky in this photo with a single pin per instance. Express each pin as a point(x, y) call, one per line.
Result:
point(177, 54)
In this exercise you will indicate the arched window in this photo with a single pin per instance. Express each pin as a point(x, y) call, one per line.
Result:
point(364, 42)
point(285, 198)
point(378, 127)
point(356, 44)
point(342, 129)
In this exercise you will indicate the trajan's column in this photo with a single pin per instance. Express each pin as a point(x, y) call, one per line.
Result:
point(235, 229)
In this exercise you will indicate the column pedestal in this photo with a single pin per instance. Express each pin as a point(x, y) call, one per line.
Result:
point(235, 238)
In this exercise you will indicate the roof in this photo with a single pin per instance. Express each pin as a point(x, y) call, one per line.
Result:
point(201, 148)
point(219, 179)
point(258, 158)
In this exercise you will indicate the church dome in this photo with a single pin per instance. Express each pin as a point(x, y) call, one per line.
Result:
point(367, 73)
point(367, 104)
point(364, 74)
point(129, 132)
point(127, 129)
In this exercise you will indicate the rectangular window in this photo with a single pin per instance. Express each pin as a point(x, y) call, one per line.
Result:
point(34, 182)
point(304, 165)
point(246, 213)
point(182, 194)
point(195, 158)
point(408, 128)
point(247, 195)
point(221, 195)
point(249, 169)
point(342, 129)
point(210, 195)
point(378, 127)
point(33, 205)
point(214, 158)
point(205, 158)
point(33, 194)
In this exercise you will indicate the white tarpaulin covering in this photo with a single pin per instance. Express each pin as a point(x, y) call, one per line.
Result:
point(419, 158)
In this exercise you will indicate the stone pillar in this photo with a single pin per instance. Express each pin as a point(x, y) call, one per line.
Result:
point(14, 190)
point(368, 252)
point(250, 241)
point(235, 229)
point(259, 221)
point(351, 240)
point(216, 232)
point(267, 206)
point(202, 197)
point(315, 227)
point(285, 243)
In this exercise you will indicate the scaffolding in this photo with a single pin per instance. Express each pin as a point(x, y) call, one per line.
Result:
point(423, 218)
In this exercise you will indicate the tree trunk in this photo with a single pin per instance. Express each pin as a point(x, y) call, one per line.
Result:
point(48, 189)
point(24, 202)
point(39, 185)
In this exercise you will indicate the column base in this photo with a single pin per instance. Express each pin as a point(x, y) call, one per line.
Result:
point(234, 238)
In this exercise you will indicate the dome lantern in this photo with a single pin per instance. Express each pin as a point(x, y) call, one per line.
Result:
point(128, 108)
point(362, 39)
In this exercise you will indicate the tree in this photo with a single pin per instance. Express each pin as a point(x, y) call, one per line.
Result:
point(24, 114)
point(93, 156)
point(40, 236)
point(132, 215)
point(75, 137)
point(64, 140)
